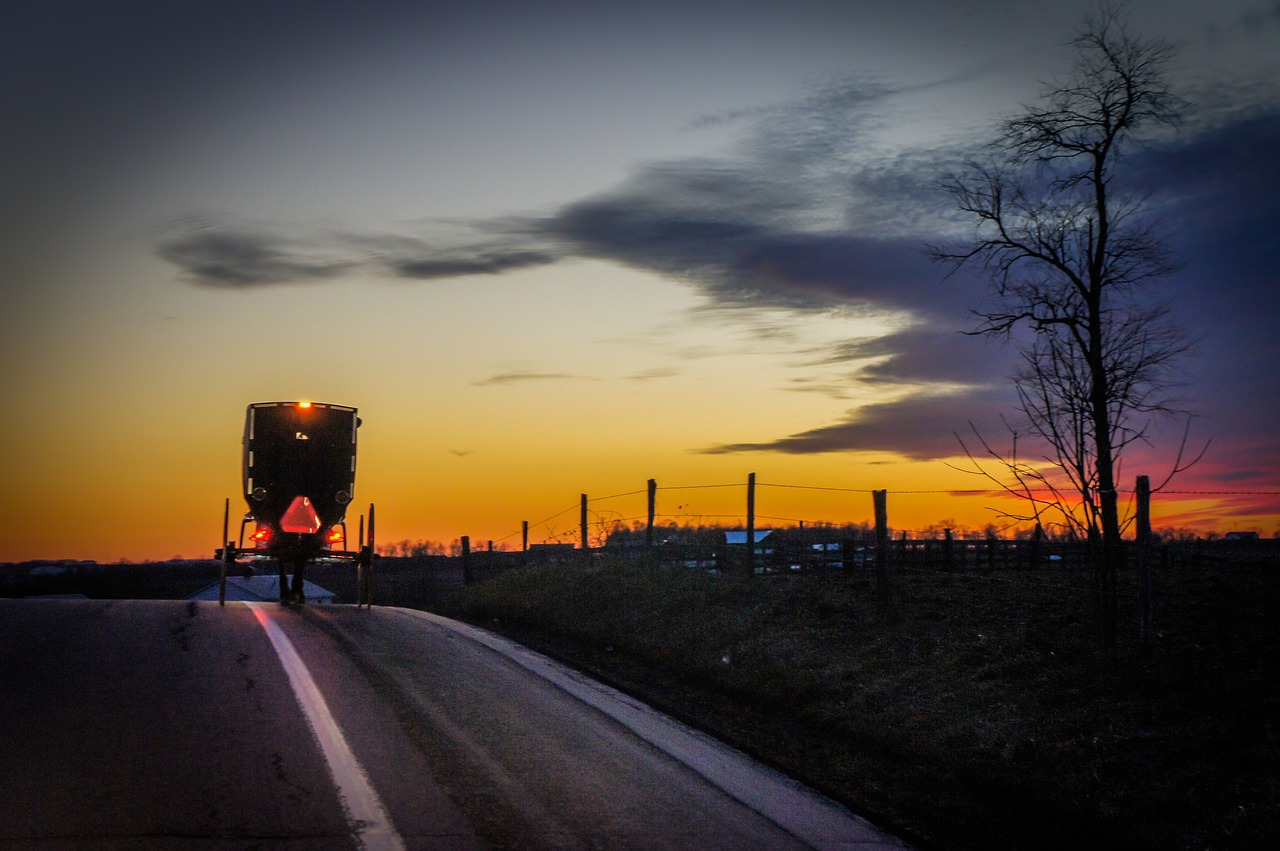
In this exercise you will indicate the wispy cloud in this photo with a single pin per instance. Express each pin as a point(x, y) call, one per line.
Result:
point(231, 258)
point(766, 224)
point(243, 255)
point(920, 427)
point(653, 374)
point(476, 263)
point(506, 378)
point(924, 354)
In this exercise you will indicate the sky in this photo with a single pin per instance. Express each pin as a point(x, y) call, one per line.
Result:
point(563, 248)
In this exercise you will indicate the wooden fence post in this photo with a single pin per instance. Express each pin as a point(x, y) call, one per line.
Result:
point(586, 544)
point(369, 554)
point(467, 577)
point(880, 501)
point(751, 525)
point(653, 503)
point(226, 552)
point(362, 569)
point(1037, 546)
point(1144, 557)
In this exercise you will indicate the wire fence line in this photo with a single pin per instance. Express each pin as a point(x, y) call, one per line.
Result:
point(1143, 574)
point(604, 520)
point(883, 563)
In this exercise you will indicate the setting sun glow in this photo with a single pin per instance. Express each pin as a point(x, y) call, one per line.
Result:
point(564, 265)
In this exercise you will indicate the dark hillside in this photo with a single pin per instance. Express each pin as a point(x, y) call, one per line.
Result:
point(980, 714)
point(977, 713)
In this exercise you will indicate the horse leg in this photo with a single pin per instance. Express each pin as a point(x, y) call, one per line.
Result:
point(299, 595)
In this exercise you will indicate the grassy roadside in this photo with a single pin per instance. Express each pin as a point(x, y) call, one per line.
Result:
point(980, 716)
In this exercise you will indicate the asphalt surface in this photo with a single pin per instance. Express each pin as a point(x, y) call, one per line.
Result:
point(144, 724)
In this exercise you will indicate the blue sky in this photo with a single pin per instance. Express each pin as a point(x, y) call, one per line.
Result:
point(534, 205)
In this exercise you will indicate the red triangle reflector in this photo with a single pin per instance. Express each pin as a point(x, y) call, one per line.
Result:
point(301, 518)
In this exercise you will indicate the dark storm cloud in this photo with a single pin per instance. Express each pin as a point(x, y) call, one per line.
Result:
point(481, 262)
point(740, 261)
point(919, 427)
point(1215, 193)
point(744, 228)
point(238, 260)
point(1219, 195)
point(758, 230)
point(806, 215)
point(929, 353)
point(246, 256)
point(805, 222)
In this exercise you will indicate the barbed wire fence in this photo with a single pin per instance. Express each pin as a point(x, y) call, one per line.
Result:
point(588, 523)
point(1161, 578)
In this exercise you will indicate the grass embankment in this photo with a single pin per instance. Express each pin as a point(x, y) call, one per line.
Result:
point(979, 715)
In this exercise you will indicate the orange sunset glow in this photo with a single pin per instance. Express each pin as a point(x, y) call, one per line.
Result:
point(571, 262)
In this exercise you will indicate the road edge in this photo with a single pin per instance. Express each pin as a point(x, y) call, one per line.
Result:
point(794, 807)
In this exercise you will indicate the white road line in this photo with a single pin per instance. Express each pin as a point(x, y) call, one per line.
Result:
point(368, 818)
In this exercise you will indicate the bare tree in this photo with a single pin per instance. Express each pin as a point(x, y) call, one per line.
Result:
point(1070, 256)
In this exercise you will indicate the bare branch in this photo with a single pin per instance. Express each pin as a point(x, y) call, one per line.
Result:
point(1068, 256)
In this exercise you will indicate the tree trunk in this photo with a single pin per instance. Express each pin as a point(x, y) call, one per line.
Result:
point(1110, 553)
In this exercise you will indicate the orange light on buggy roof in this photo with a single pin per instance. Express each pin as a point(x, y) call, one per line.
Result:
point(304, 404)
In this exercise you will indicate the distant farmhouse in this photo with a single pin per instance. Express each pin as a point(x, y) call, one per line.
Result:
point(739, 539)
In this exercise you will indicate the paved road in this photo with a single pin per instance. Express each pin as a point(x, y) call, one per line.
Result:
point(142, 724)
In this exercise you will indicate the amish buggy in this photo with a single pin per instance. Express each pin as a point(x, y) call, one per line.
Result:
point(299, 474)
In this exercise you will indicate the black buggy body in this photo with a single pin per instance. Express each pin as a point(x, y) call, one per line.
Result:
point(299, 473)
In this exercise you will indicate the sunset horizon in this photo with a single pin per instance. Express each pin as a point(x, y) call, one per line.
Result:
point(563, 251)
